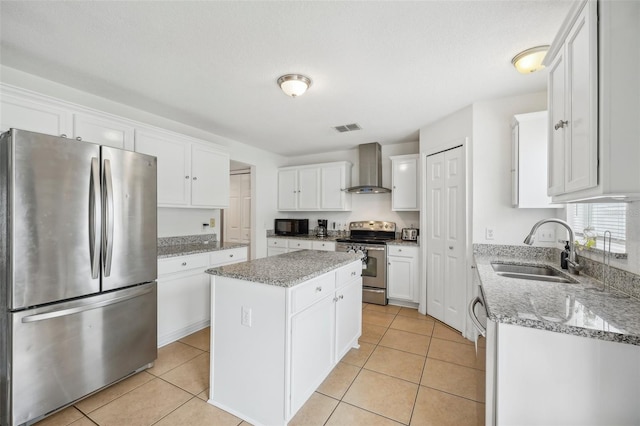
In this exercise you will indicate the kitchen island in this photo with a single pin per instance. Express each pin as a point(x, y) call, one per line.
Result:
point(279, 326)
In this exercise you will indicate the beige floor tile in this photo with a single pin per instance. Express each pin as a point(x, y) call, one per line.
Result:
point(372, 333)
point(192, 376)
point(372, 317)
point(171, 356)
point(348, 415)
point(339, 380)
point(457, 353)
point(386, 309)
point(315, 411)
point(405, 341)
point(435, 408)
point(83, 421)
point(245, 424)
point(197, 412)
point(382, 394)
point(112, 392)
point(455, 379)
point(402, 365)
point(144, 405)
point(62, 418)
point(200, 339)
point(204, 395)
point(359, 356)
point(413, 325)
point(444, 332)
point(413, 313)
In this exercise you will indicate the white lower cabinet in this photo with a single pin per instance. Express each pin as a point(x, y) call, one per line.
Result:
point(276, 246)
point(310, 326)
point(184, 292)
point(402, 273)
point(324, 245)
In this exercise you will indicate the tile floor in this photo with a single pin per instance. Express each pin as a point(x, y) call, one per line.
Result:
point(410, 370)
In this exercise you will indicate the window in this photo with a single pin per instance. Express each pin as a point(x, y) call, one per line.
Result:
point(600, 217)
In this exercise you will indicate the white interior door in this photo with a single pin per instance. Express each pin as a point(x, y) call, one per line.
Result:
point(245, 205)
point(446, 236)
point(233, 215)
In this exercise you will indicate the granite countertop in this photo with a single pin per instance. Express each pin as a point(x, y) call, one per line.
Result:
point(558, 307)
point(195, 248)
point(396, 242)
point(401, 242)
point(288, 269)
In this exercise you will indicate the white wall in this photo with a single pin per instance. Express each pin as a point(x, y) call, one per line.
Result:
point(492, 172)
point(363, 206)
point(173, 222)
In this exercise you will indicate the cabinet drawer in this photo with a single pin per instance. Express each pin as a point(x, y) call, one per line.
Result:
point(225, 257)
point(299, 244)
point(348, 273)
point(324, 245)
point(277, 242)
point(306, 294)
point(182, 263)
point(404, 251)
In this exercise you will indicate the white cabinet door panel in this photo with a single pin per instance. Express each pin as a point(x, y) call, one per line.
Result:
point(348, 317)
point(308, 197)
point(210, 177)
point(34, 116)
point(103, 131)
point(287, 190)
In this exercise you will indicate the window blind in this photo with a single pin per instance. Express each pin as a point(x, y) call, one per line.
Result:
point(601, 217)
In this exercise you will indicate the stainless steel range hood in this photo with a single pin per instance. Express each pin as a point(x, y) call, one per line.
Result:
point(370, 168)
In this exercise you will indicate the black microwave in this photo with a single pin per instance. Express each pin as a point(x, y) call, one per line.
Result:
point(292, 226)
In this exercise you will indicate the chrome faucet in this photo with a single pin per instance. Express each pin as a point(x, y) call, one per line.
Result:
point(574, 267)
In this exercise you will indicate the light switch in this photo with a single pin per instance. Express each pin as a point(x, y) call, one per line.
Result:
point(246, 316)
point(212, 222)
point(488, 234)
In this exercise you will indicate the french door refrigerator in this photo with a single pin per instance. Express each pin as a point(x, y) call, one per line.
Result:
point(78, 295)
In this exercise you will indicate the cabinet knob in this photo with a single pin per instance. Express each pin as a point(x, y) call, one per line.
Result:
point(318, 289)
point(560, 124)
point(353, 273)
point(335, 299)
point(341, 297)
point(186, 177)
point(399, 250)
point(79, 138)
point(195, 178)
point(63, 135)
point(184, 263)
point(230, 255)
point(450, 247)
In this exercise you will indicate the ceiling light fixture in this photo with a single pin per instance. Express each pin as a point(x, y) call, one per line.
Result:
point(530, 60)
point(294, 84)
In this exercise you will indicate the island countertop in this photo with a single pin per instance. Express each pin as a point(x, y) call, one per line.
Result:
point(288, 269)
point(195, 248)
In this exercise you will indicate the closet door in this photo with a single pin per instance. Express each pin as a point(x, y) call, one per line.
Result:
point(446, 279)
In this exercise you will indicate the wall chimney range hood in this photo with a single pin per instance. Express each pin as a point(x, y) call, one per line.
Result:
point(370, 170)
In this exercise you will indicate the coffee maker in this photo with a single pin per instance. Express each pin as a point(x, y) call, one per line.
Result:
point(321, 232)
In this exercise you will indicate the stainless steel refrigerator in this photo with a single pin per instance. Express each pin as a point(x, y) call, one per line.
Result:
point(78, 295)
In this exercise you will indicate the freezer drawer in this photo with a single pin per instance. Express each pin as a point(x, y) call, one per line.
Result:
point(65, 351)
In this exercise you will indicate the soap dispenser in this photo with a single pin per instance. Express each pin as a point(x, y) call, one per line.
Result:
point(564, 256)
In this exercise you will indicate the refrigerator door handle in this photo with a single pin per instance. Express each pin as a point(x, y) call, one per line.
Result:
point(70, 311)
point(107, 237)
point(94, 218)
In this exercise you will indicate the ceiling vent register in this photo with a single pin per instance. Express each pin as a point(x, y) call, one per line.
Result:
point(348, 127)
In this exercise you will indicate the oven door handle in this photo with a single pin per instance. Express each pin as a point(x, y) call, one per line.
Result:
point(474, 319)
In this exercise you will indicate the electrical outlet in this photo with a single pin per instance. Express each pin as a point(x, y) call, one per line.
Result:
point(488, 234)
point(212, 222)
point(246, 317)
point(546, 235)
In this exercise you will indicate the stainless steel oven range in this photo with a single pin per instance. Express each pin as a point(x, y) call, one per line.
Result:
point(370, 237)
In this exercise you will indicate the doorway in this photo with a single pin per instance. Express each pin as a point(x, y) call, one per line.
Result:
point(237, 218)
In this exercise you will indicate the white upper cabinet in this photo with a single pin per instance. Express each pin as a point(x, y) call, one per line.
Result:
point(26, 111)
point(103, 130)
point(404, 182)
point(529, 161)
point(314, 187)
point(189, 174)
point(594, 104)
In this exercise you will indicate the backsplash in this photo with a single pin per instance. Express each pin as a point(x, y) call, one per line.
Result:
point(187, 239)
point(618, 279)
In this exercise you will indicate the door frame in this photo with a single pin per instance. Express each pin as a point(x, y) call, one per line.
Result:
point(465, 144)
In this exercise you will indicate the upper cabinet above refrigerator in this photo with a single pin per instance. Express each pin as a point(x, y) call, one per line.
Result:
point(594, 104)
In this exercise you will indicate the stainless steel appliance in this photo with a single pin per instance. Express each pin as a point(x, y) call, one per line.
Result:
point(370, 237)
point(78, 265)
point(321, 231)
point(291, 226)
point(410, 234)
point(370, 170)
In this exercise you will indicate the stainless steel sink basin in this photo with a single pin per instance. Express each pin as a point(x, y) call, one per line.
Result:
point(530, 272)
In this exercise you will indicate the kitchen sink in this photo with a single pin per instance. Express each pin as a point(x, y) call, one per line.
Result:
point(531, 272)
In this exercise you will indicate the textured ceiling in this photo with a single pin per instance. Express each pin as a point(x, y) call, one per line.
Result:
point(390, 66)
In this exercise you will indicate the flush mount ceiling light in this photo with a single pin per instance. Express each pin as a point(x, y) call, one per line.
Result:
point(294, 84)
point(530, 60)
